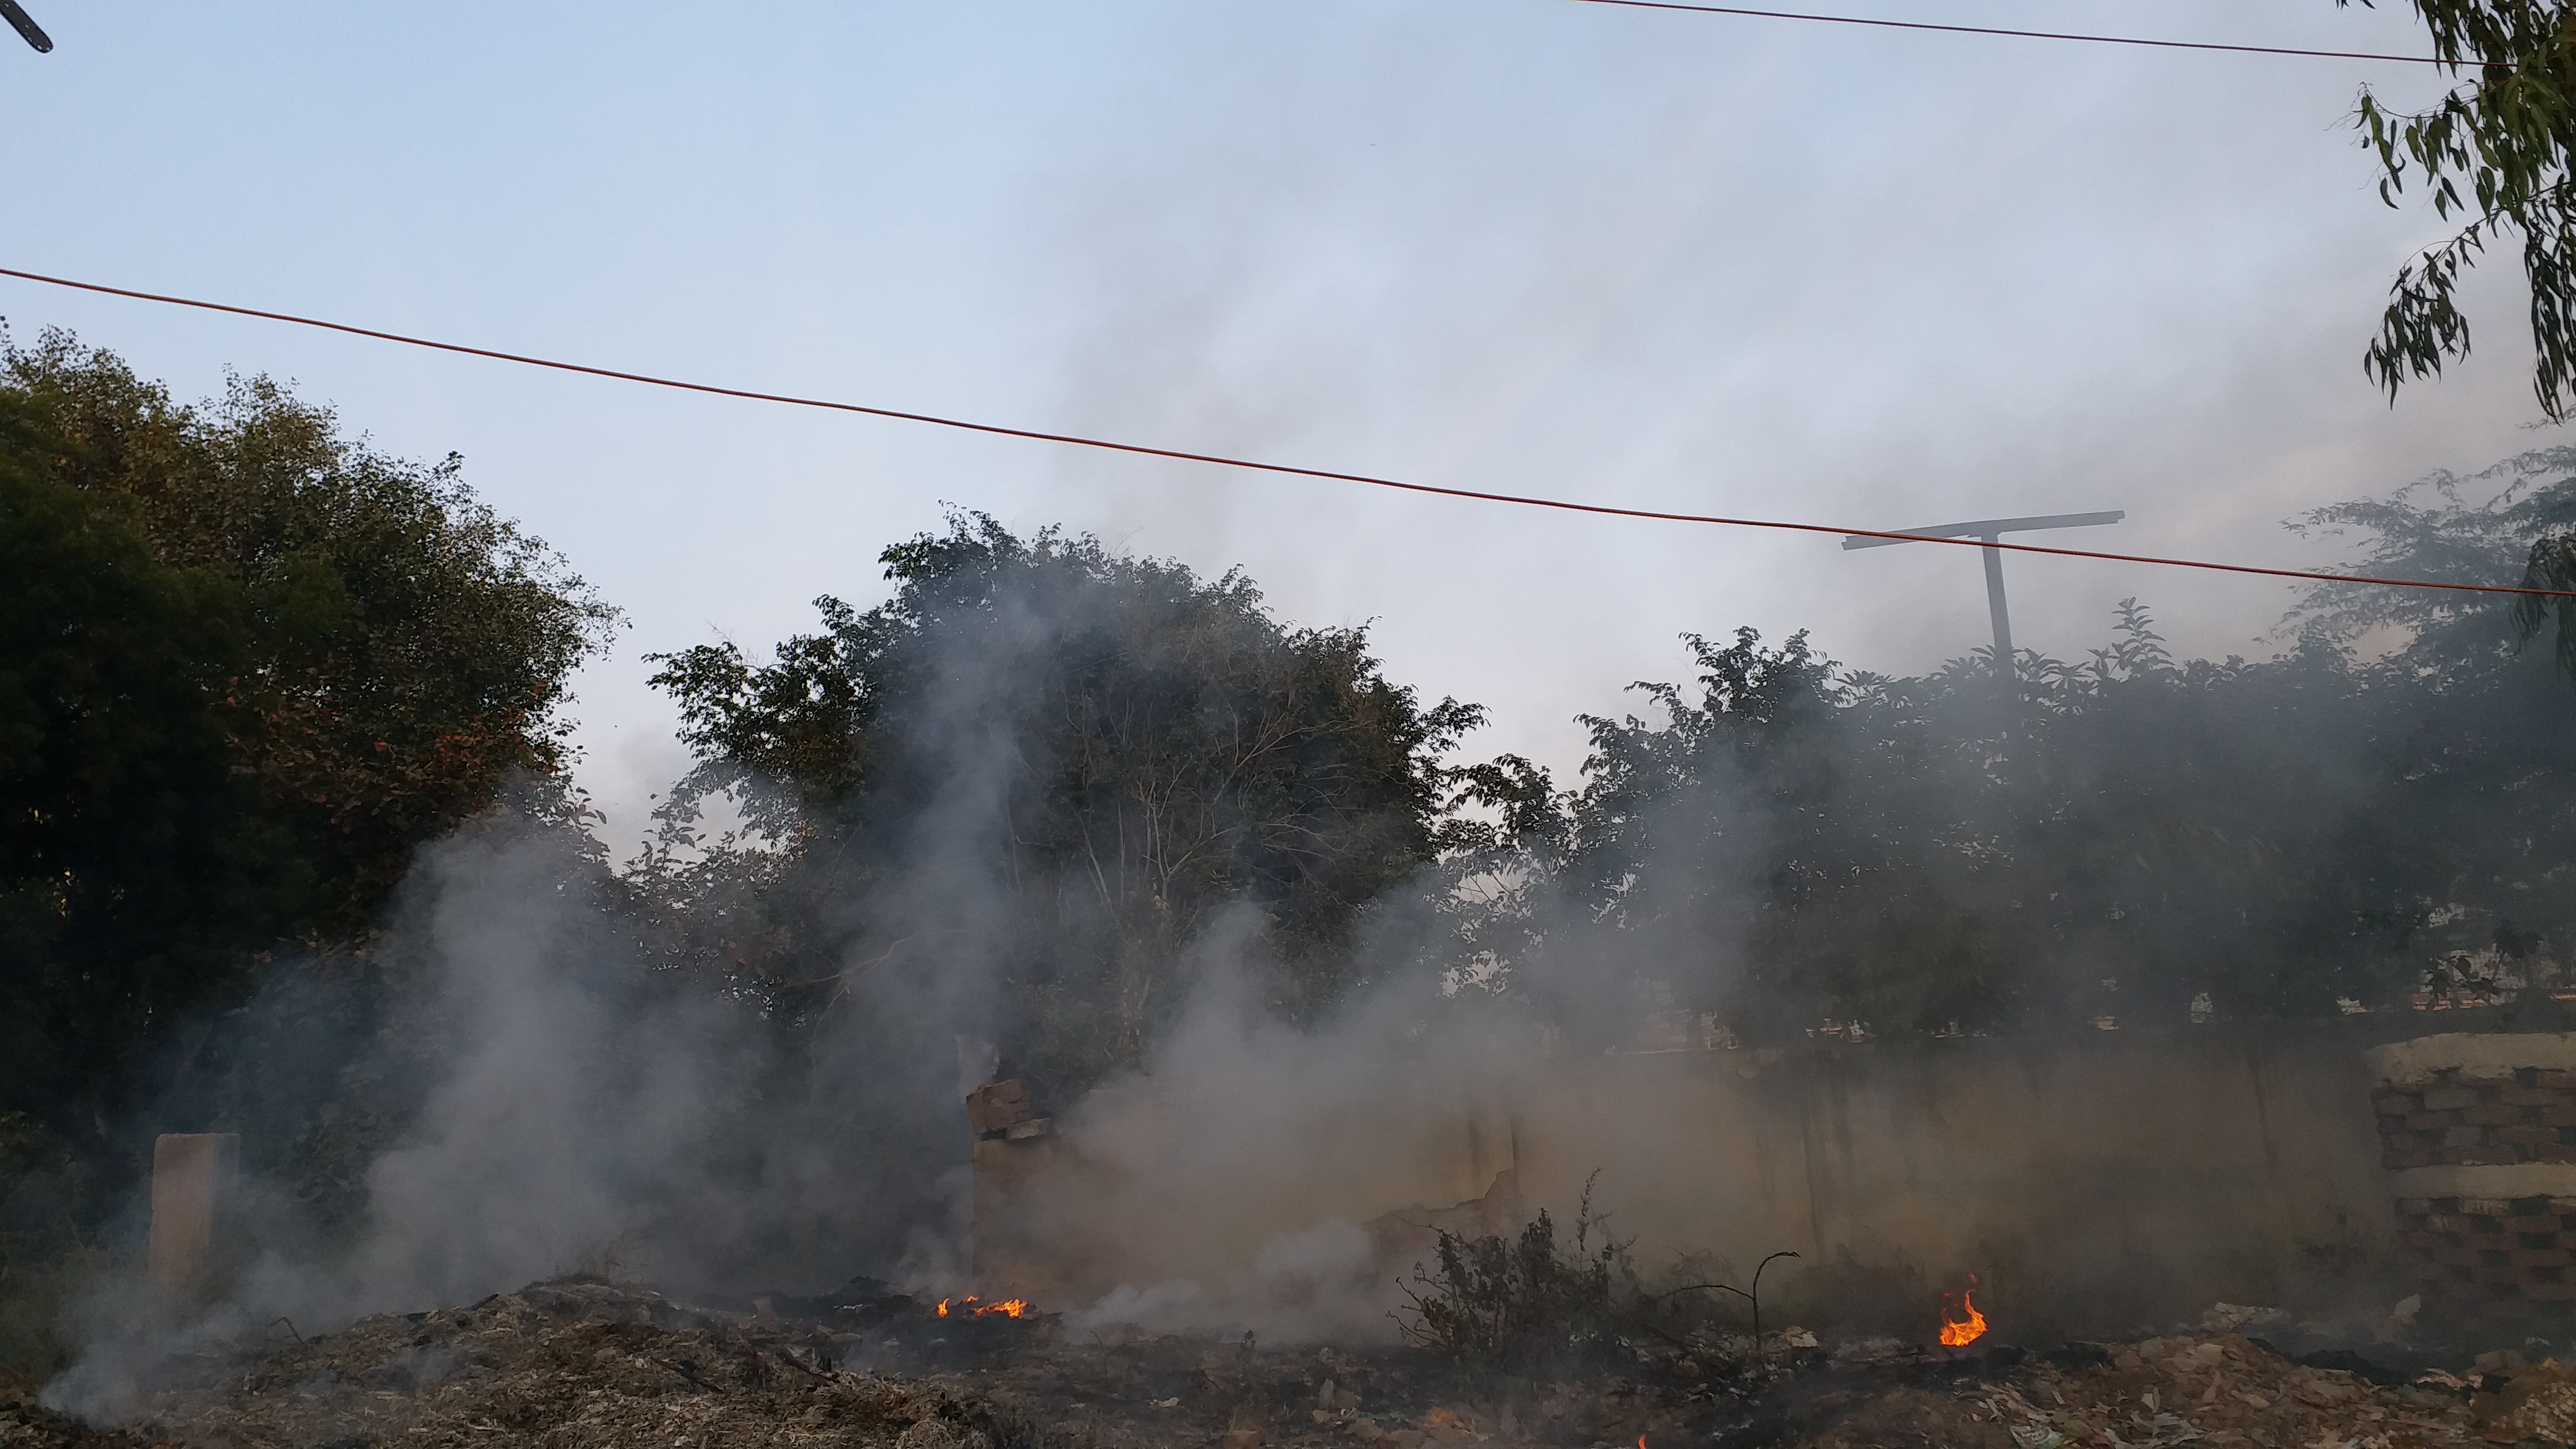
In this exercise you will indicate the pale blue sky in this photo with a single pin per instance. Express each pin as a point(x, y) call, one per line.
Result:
point(1730, 265)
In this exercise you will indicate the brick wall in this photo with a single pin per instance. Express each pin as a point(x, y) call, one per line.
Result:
point(2491, 1260)
point(2472, 1117)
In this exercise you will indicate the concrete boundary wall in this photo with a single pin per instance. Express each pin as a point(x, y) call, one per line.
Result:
point(2083, 1177)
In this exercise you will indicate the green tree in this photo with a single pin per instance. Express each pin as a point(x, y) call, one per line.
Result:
point(1060, 767)
point(1787, 842)
point(251, 665)
point(2493, 158)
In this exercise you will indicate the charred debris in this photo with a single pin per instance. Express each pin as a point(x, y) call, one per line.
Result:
point(579, 1362)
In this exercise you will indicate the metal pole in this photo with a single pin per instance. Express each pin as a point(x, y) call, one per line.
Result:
point(1995, 606)
point(1990, 532)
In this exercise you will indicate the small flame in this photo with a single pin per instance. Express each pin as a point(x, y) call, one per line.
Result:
point(1008, 1308)
point(1960, 1332)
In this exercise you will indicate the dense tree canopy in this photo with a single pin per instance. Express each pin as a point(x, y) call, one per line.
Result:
point(247, 666)
point(1069, 766)
point(1787, 842)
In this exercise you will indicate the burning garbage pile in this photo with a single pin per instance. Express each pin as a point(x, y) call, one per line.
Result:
point(584, 1362)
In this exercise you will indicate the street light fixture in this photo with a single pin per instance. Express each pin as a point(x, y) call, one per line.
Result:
point(26, 26)
point(1991, 530)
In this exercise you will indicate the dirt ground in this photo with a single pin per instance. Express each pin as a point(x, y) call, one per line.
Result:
point(578, 1363)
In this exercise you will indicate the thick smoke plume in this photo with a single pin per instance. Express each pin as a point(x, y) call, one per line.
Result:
point(546, 1078)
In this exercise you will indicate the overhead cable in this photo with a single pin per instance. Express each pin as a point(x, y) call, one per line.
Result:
point(1109, 445)
point(2028, 34)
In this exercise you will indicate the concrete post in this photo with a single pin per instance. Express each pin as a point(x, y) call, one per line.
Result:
point(193, 1177)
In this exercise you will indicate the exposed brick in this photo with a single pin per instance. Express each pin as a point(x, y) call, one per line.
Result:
point(2541, 1258)
point(2489, 1243)
point(2485, 1207)
point(2447, 1099)
point(2553, 1152)
point(2490, 1116)
point(2436, 1121)
point(2482, 1156)
point(2549, 1292)
point(2563, 1206)
point(2552, 1116)
point(2555, 1080)
point(2525, 1137)
point(995, 1108)
point(2394, 1103)
point(2523, 1097)
point(2445, 1223)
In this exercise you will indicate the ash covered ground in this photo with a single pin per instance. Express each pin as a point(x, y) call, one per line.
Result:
point(579, 1362)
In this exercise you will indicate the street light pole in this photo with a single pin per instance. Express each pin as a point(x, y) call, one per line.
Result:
point(1991, 531)
point(1995, 607)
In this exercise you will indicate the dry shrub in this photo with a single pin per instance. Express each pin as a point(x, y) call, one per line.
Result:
point(1526, 1306)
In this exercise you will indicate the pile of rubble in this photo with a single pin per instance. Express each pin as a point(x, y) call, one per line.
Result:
point(578, 1363)
point(570, 1364)
point(2200, 1390)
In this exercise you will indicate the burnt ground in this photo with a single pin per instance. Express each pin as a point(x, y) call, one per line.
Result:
point(576, 1363)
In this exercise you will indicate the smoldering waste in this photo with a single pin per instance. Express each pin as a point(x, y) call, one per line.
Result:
point(581, 1362)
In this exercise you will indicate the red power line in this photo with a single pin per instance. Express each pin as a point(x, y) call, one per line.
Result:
point(1220, 460)
point(2030, 34)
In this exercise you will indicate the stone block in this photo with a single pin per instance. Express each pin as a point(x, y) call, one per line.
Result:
point(2450, 1099)
point(2490, 1116)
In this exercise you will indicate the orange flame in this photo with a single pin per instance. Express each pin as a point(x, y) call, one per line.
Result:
point(1008, 1308)
point(1960, 1332)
